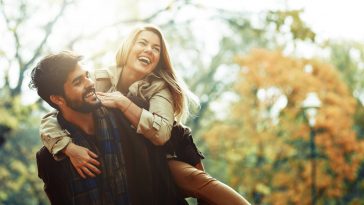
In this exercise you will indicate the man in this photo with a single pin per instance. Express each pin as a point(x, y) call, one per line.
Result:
point(128, 169)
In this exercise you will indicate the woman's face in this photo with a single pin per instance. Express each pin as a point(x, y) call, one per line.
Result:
point(145, 53)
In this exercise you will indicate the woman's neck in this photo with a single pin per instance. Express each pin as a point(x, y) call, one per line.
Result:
point(127, 78)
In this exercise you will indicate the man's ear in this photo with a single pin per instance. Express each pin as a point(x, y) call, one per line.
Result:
point(56, 99)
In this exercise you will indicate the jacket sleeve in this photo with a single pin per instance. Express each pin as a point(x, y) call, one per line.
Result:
point(53, 136)
point(103, 80)
point(156, 124)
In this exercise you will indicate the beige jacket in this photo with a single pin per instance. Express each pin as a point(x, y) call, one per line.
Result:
point(155, 124)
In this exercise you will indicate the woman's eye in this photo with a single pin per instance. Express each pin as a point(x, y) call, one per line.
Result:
point(142, 43)
point(156, 49)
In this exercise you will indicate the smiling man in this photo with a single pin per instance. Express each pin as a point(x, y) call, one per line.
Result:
point(62, 83)
point(121, 165)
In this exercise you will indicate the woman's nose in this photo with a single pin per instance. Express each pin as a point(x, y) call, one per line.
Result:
point(148, 48)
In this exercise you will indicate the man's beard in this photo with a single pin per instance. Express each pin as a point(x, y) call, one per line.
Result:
point(83, 106)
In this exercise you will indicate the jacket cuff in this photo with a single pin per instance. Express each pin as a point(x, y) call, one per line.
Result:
point(146, 122)
point(55, 143)
point(57, 153)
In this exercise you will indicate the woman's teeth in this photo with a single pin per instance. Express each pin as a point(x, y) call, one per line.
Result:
point(144, 60)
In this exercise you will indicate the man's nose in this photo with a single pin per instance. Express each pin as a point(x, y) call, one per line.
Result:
point(89, 82)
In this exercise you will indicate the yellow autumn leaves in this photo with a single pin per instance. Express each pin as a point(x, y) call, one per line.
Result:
point(265, 139)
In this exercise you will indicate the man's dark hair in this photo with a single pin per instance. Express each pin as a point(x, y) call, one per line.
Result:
point(50, 74)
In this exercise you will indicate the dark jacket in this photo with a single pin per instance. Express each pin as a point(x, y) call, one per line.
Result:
point(54, 176)
point(149, 179)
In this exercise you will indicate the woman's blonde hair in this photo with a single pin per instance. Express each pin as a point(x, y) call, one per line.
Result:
point(182, 96)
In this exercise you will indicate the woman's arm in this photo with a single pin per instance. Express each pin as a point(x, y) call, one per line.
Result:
point(155, 124)
point(59, 144)
point(54, 138)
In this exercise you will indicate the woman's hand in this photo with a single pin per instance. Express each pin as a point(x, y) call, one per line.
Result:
point(83, 160)
point(111, 100)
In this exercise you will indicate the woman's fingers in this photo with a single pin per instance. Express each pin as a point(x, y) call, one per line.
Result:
point(93, 169)
point(87, 172)
point(80, 173)
point(92, 154)
point(115, 96)
point(100, 93)
point(116, 93)
point(111, 100)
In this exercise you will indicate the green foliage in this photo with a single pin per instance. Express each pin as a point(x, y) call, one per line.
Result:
point(18, 171)
point(292, 20)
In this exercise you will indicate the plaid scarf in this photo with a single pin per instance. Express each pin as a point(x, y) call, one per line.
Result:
point(110, 187)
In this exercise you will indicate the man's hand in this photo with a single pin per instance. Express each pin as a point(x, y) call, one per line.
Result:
point(83, 160)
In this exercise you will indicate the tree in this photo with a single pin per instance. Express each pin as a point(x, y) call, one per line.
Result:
point(18, 174)
point(348, 58)
point(266, 140)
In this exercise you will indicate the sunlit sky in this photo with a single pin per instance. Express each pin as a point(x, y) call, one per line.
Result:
point(329, 18)
point(334, 18)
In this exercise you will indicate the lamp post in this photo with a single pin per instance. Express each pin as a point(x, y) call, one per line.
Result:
point(310, 105)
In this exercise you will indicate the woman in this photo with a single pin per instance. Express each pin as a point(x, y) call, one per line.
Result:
point(144, 70)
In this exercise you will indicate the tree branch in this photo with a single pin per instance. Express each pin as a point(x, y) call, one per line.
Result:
point(126, 21)
point(48, 30)
point(15, 36)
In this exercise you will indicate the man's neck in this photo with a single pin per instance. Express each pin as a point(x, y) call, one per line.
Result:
point(84, 121)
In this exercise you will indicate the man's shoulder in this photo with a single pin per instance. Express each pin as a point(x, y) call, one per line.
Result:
point(49, 170)
point(54, 177)
point(44, 158)
point(105, 79)
point(43, 154)
point(44, 163)
point(104, 73)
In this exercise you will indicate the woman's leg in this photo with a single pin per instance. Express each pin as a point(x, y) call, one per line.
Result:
point(199, 184)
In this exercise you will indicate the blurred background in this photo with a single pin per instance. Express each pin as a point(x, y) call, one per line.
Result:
point(280, 83)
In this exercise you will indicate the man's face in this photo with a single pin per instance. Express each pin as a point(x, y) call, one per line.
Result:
point(79, 91)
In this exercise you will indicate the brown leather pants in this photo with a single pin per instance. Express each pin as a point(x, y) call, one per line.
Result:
point(197, 183)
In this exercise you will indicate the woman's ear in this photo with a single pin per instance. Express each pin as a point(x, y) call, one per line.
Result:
point(56, 99)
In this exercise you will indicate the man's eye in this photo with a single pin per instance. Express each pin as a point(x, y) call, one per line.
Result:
point(77, 83)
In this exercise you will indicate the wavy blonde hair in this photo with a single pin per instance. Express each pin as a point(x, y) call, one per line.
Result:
point(183, 98)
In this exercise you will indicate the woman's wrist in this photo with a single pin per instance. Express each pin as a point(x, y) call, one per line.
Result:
point(68, 149)
point(124, 104)
point(127, 105)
